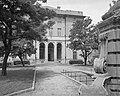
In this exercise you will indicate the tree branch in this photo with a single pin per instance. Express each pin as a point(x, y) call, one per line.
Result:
point(89, 52)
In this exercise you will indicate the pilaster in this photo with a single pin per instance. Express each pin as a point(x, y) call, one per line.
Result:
point(55, 51)
point(37, 51)
point(63, 52)
point(46, 51)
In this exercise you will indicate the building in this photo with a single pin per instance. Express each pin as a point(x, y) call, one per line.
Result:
point(56, 49)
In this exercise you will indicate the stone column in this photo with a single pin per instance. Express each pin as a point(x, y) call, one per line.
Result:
point(111, 27)
point(63, 52)
point(55, 51)
point(46, 51)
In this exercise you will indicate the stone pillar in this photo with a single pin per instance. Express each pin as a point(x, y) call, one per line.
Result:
point(63, 52)
point(46, 51)
point(111, 27)
point(55, 51)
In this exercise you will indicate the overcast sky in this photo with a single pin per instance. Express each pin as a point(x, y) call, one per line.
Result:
point(93, 8)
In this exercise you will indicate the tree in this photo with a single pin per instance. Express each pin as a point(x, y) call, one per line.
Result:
point(33, 1)
point(22, 47)
point(20, 20)
point(83, 37)
point(1, 49)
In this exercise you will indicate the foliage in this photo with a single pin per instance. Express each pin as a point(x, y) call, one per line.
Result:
point(19, 20)
point(76, 62)
point(21, 47)
point(33, 1)
point(83, 37)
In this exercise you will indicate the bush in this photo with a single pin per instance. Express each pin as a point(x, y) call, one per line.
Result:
point(7, 64)
point(76, 62)
point(19, 62)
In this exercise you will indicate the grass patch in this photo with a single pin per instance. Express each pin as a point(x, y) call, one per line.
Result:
point(18, 78)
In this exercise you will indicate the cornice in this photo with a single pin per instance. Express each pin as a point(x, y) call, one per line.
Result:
point(110, 23)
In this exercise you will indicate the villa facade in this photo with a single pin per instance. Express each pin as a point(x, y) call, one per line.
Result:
point(56, 48)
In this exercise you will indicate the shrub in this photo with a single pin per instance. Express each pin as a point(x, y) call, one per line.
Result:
point(7, 64)
point(19, 62)
point(76, 62)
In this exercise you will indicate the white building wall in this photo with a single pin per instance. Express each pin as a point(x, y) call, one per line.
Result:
point(69, 22)
point(69, 53)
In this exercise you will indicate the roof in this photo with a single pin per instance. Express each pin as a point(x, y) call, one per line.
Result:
point(65, 12)
point(114, 10)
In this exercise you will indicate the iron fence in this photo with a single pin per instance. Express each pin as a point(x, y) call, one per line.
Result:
point(79, 76)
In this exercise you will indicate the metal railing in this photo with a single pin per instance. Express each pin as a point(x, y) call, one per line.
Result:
point(79, 76)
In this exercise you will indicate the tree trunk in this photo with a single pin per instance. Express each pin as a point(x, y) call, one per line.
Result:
point(4, 66)
point(7, 45)
point(85, 58)
point(85, 61)
point(21, 60)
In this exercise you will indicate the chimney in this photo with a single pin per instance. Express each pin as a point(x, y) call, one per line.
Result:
point(58, 7)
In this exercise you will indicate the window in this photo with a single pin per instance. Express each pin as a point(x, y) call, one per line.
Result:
point(59, 31)
point(74, 55)
point(59, 51)
point(59, 22)
point(50, 32)
point(42, 51)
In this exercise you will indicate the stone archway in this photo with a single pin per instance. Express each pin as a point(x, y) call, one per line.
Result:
point(42, 51)
point(50, 52)
point(59, 51)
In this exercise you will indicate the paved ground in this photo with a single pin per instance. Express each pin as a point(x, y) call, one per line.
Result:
point(50, 83)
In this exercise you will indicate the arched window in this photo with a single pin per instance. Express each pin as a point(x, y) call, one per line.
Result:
point(42, 51)
point(59, 51)
point(50, 52)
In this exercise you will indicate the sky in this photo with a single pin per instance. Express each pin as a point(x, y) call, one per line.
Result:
point(93, 8)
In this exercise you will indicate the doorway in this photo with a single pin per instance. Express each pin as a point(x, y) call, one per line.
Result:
point(50, 52)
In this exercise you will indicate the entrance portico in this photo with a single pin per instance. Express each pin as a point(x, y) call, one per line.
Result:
point(50, 51)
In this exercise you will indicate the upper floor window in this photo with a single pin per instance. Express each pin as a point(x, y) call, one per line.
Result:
point(51, 32)
point(59, 31)
point(59, 22)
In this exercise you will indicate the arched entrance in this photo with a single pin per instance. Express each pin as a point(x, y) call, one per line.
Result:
point(50, 52)
point(59, 51)
point(42, 51)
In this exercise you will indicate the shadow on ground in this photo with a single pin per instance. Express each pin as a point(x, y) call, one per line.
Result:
point(44, 74)
point(17, 79)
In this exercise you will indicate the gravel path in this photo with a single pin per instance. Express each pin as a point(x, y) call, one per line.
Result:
point(50, 83)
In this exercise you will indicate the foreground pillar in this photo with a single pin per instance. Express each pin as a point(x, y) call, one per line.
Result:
point(107, 82)
point(110, 33)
